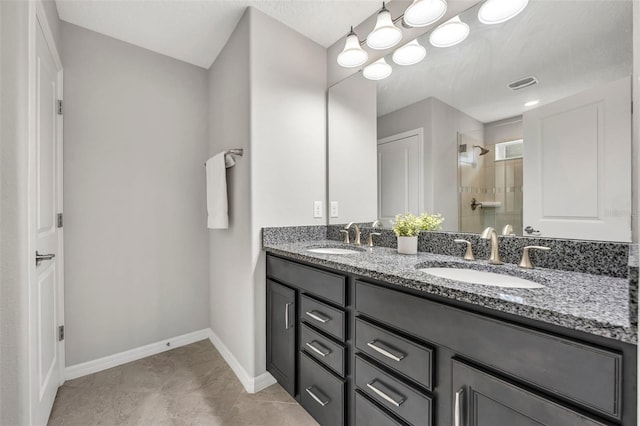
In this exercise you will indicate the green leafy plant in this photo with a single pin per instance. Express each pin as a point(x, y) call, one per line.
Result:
point(410, 225)
point(431, 222)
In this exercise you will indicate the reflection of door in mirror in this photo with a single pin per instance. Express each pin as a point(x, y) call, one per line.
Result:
point(400, 175)
point(578, 165)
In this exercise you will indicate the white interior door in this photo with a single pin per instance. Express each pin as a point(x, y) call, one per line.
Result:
point(45, 292)
point(400, 188)
point(577, 165)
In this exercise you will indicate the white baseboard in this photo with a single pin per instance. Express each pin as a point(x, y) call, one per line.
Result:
point(250, 384)
point(90, 367)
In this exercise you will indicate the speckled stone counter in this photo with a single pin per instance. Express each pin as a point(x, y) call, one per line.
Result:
point(595, 304)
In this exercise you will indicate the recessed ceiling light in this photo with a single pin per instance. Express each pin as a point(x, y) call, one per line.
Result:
point(499, 11)
point(378, 70)
point(450, 33)
point(532, 103)
point(409, 54)
point(424, 12)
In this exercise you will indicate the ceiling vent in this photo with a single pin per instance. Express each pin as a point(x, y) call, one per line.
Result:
point(522, 83)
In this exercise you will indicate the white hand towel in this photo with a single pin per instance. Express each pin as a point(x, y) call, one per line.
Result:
point(217, 204)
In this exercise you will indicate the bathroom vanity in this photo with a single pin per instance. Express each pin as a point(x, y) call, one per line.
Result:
point(368, 339)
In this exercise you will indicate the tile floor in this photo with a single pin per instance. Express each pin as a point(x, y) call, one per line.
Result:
point(190, 385)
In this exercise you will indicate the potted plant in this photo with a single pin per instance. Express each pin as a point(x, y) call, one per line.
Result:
point(407, 227)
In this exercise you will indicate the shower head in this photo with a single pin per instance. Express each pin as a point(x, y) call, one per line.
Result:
point(483, 151)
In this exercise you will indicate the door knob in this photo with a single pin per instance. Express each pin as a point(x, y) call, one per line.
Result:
point(529, 230)
point(41, 257)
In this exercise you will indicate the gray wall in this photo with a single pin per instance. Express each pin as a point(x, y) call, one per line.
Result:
point(230, 279)
point(441, 124)
point(353, 150)
point(273, 107)
point(135, 241)
point(14, 359)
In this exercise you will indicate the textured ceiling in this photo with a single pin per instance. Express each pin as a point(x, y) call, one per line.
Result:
point(569, 46)
point(195, 31)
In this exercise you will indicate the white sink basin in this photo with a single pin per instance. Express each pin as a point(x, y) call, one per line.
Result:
point(481, 277)
point(332, 250)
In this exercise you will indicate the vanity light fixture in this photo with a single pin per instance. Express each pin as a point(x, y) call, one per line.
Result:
point(409, 54)
point(450, 33)
point(424, 12)
point(353, 55)
point(385, 34)
point(378, 70)
point(499, 11)
point(532, 103)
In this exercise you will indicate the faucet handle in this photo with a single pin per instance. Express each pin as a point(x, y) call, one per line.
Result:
point(525, 262)
point(357, 240)
point(371, 234)
point(468, 254)
point(346, 235)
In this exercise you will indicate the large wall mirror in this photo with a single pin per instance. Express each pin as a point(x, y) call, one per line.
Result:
point(526, 123)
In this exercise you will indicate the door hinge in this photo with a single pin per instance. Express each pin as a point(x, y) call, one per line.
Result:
point(61, 333)
point(59, 220)
point(59, 107)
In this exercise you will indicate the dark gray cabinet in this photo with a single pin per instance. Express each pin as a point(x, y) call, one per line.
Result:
point(369, 353)
point(481, 399)
point(281, 335)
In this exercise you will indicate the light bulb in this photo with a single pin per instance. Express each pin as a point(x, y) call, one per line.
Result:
point(353, 55)
point(424, 12)
point(378, 70)
point(385, 34)
point(450, 33)
point(498, 11)
point(409, 54)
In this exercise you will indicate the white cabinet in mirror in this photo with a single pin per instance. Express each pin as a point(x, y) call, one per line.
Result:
point(530, 118)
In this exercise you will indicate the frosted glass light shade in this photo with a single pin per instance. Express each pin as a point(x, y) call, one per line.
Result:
point(409, 54)
point(353, 55)
point(498, 11)
point(378, 70)
point(450, 33)
point(385, 34)
point(424, 12)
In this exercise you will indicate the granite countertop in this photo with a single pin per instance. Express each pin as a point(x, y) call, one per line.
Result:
point(595, 304)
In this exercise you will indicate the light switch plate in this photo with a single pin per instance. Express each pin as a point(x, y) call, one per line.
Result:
point(334, 209)
point(317, 209)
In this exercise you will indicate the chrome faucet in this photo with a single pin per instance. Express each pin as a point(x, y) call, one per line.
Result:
point(376, 224)
point(507, 230)
point(346, 238)
point(490, 234)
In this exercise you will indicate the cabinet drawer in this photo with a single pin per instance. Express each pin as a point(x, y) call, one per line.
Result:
point(324, 284)
point(321, 393)
point(393, 394)
point(368, 414)
point(414, 361)
point(323, 316)
point(584, 374)
point(324, 350)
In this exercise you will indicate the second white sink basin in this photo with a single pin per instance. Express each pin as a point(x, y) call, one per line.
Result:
point(332, 250)
point(481, 277)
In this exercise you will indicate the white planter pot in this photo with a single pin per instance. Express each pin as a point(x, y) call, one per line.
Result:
point(408, 245)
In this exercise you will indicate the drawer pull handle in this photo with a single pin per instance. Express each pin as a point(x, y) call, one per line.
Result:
point(318, 348)
point(457, 408)
point(318, 316)
point(384, 393)
point(318, 396)
point(385, 350)
point(286, 315)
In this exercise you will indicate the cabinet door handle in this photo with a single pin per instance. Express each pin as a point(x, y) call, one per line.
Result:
point(318, 396)
point(318, 348)
point(457, 408)
point(318, 316)
point(385, 350)
point(384, 394)
point(286, 315)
